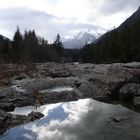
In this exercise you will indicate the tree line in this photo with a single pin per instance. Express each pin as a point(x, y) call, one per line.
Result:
point(30, 48)
point(119, 45)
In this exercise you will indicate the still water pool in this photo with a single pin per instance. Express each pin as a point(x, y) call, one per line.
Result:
point(85, 119)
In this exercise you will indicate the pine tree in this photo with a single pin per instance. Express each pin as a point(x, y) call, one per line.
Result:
point(17, 47)
point(31, 45)
point(58, 45)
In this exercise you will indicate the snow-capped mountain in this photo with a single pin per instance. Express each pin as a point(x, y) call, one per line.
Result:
point(4, 38)
point(83, 37)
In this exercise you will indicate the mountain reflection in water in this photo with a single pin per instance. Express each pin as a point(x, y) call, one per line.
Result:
point(84, 119)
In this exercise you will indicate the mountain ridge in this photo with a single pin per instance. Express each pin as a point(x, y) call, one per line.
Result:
point(82, 38)
point(119, 45)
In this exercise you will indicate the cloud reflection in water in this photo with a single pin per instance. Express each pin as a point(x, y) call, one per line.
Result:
point(78, 120)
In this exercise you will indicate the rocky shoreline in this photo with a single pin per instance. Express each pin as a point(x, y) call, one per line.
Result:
point(37, 84)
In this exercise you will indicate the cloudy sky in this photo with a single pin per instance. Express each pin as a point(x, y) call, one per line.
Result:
point(67, 17)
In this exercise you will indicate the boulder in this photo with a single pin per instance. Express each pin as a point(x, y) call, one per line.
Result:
point(8, 120)
point(4, 121)
point(35, 115)
point(54, 97)
point(54, 70)
point(7, 106)
point(21, 119)
point(119, 118)
point(2, 95)
point(129, 91)
point(101, 82)
point(27, 100)
point(137, 102)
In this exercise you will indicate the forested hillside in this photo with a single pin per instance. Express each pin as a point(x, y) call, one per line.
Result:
point(30, 48)
point(119, 45)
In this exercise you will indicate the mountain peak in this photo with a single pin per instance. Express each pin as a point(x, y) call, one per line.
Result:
point(96, 32)
point(83, 37)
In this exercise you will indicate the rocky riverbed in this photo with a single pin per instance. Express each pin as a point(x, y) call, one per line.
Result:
point(38, 84)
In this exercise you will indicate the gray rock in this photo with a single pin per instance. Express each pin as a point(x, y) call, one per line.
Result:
point(35, 115)
point(7, 106)
point(77, 84)
point(119, 118)
point(137, 102)
point(128, 92)
point(2, 95)
point(101, 82)
point(54, 70)
point(24, 101)
point(8, 120)
point(132, 65)
point(63, 96)
point(4, 121)
point(20, 77)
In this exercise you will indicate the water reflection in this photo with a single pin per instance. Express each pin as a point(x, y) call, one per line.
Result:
point(81, 120)
point(58, 89)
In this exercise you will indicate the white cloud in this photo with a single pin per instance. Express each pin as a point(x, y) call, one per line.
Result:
point(33, 14)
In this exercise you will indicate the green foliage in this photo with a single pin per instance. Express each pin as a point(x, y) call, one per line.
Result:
point(30, 48)
point(119, 45)
point(58, 45)
point(71, 55)
point(5, 54)
point(17, 47)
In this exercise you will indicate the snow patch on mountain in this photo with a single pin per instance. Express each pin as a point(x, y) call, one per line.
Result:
point(83, 37)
